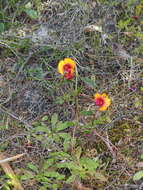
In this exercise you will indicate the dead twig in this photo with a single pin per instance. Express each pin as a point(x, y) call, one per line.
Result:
point(79, 186)
point(3, 109)
point(10, 173)
point(112, 148)
point(11, 158)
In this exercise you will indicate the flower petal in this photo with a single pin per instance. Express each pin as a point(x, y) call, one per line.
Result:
point(60, 67)
point(106, 101)
point(105, 95)
point(106, 105)
point(103, 108)
point(70, 61)
point(66, 61)
point(97, 95)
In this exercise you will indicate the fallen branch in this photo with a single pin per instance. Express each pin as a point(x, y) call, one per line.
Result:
point(112, 148)
point(4, 110)
point(11, 158)
point(9, 171)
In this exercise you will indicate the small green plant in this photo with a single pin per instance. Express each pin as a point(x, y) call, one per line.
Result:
point(82, 167)
point(138, 175)
point(61, 166)
point(30, 12)
point(54, 132)
point(10, 12)
point(68, 164)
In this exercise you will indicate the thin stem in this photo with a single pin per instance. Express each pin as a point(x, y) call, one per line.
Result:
point(76, 109)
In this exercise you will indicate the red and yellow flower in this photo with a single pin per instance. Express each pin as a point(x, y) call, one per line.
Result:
point(102, 100)
point(66, 68)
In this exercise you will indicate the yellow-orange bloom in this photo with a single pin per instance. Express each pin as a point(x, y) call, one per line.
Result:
point(102, 100)
point(66, 68)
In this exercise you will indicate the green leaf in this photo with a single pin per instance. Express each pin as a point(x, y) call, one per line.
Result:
point(61, 126)
point(67, 140)
point(60, 155)
point(54, 119)
point(32, 167)
point(141, 156)
point(42, 129)
point(86, 113)
point(6, 187)
point(78, 152)
point(66, 144)
point(73, 166)
point(70, 165)
point(45, 118)
point(36, 73)
point(138, 175)
point(62, 165)
point(71, 179)
point(27, 175)
point(32, 13)
point(42, 178)
point(2, 27)
point(28, 5)
point(102, 120)
point(89, 82)
point(52, 174)
point(56, 138)
point(90, 164)
point(66, 136)
point(55, 186)
point(45, 187)
point(47, 163)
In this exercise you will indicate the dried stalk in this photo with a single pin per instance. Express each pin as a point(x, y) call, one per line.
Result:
point(11, 158)
point(10, 173)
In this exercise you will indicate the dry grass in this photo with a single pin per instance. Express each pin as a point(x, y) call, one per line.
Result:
point(31, 88)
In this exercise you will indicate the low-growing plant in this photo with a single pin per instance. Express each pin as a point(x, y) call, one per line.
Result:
point(139, 175)
point(63, 166)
